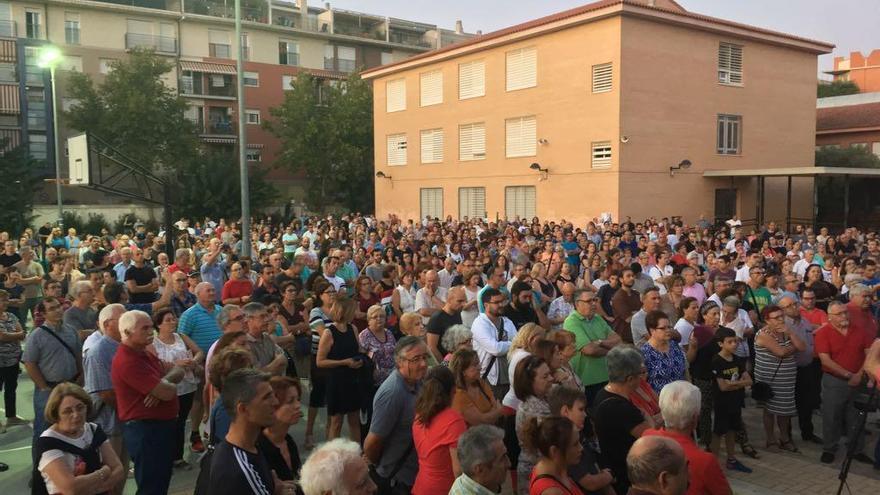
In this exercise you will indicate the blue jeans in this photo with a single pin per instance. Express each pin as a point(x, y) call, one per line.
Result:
point(40, 425)
point(149, 444)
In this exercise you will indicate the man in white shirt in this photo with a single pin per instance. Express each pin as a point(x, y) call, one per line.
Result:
point(755, 259)
point(447, 273)
point(431, 297)
point(801, 265)
point(330, 265)
point(492, 337)
point(562, 306)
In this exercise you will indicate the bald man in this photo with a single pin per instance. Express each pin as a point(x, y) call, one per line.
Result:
point(562, 306)
point(449, 314)
point(431, 297)
point(656, 466)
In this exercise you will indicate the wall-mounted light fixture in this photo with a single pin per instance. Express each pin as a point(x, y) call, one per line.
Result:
point(683, 165)
point(381, 175)
point(544, 171)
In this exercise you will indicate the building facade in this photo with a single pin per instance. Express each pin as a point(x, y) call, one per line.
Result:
point(589, 111)
point(281, 39)
point(851, 120)
point(860, 69)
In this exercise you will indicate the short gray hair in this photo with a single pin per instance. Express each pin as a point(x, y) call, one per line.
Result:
point(680, 404)
point(107, 313)
point(455, 336)
point(731, 302)
point(623, 362)
point(78, 287)
point(253, 308)
point(645, 463)
point(223, 316)
point(181, 252)
point(240, 387)
point(404, 345)
point(475, 446)
point(323, 470)
point(859, 290)
point(129, 320)
point(203, 286)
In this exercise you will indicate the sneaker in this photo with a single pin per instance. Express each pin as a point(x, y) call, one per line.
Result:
point(827, 458)
point(735, 465)
point(16, 421)
point(861, 457)
point(197, 446)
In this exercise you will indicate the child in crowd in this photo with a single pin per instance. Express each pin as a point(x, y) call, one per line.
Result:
point(731, 379)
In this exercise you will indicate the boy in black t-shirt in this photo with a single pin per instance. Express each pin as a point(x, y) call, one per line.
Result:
point(731, 379)
point(572, 404)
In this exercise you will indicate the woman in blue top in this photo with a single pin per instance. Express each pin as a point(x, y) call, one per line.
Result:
point(664, 359)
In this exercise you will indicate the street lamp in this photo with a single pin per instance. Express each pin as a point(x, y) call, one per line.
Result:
point(49, 57)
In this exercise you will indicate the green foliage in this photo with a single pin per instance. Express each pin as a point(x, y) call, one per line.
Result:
point(326, 131)
point(211, 188)
point(837, 88)
point(20, 181)
point(850, 156)
point(134, 111)
point(72, 220)
point(95, 223)
point(126, 222)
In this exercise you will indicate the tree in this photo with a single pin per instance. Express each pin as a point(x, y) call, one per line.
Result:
point(135, 112)
point(21, 179)
point(838, 87)
point(850, 156)
point(326, 131)
point(209, 186)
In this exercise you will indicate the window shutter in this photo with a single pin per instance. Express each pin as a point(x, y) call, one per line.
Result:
point(397, 149)
point(471, 80)
point(522, 68)
point(346, 53)
point(522, 136)
point(602, 78)
point(730, 59)
point(431, 202)
point(519, 201)
point(472, 202)
point(432, 146)
point(395, 95)
point(218, 37)
point(431, 88)
point(472, 141)
point(601, 154)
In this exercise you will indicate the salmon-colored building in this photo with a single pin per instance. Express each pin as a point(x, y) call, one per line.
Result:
point(619, 106)
point(862, 70)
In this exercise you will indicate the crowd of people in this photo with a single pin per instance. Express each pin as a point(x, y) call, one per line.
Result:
point(446, 356)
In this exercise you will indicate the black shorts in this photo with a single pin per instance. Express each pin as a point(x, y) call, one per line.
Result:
point(727, 419)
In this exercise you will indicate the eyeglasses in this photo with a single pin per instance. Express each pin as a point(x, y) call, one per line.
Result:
point(69, 411)
point(775, 317)
point(417, 359)
point(495, 302)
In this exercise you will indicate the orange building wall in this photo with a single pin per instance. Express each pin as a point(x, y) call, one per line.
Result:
point(864, 71)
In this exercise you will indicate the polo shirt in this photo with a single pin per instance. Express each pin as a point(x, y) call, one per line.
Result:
point(705, 474)
point(393, 416)
point(54, 361)
point(863, 319)
point(200, 325)
point(134, 374)
point(590, 369)
point(97, 364)
point(235, 288)
point(121, 268)
point(815, 316)
point(848, 351)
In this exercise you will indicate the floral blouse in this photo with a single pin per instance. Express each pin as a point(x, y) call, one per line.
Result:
point(382, 353)
point(664, 367)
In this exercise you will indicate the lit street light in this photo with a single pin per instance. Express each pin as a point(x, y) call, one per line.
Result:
point(49, 57)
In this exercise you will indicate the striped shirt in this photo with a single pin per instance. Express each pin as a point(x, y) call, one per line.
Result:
point(318, 318)
point(200, 325)
point(235, 470)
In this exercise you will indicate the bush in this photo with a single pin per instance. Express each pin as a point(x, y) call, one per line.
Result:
point(72, 220)
point(95, 223)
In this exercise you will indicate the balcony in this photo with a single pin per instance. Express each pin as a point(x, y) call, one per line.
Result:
point(409, 38)
point(339, 64)
point(161, 44)
point(251, 10)
point(293, 20)
point(198, 84)
point(8, 29)
point(219, 128)
point(149, 4)
point(360, 25)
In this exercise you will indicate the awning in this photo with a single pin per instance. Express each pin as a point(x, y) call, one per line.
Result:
point(209, 67)
point(219, 140)
point(255, 146)
point(7, 51)
point(794, 172)
point(9, 102)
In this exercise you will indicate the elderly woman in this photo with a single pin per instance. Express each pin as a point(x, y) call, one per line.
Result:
point(73, 455)
point(11, 336)
point(664, 359)
point(532, 383)
point(473, 397)
point(619, 423)
point(411, 324)
point(456, 337)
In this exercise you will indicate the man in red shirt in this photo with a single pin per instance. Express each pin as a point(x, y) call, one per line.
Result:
point(809, 311)
point(859, 308)
point(146, 403)
point(680, 407)
point(181, 261)
point(841, 348)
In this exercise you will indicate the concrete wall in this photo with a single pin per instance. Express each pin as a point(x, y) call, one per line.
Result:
point(49, 213)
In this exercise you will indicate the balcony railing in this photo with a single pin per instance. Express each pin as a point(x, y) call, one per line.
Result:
point(294, 21)
point(218, 8)
point(288, 58)
point(410, 39)
point(8, 29)
point(204, 85)
point(339, 64)
point(163, 44)
point(373, 32)
point(220, 127)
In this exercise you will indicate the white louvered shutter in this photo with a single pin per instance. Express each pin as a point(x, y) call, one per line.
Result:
point(397, 149)
point(602, 78)
point(519, 201)
point(431, 88)
point(522, 136)
point(471, 80)
point(432, 146)
point(472, 141)
point(395, 95)
point(522, 68)
point(472, 202)
point(730, 63)
point(218, 37)
point(431, 202)
point(601, 154)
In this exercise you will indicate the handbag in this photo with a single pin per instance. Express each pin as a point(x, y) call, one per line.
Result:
point(761, 391)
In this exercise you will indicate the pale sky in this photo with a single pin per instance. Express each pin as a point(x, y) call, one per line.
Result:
point(851, 25)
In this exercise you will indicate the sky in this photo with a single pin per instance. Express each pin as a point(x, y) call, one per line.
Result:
point(851, 25)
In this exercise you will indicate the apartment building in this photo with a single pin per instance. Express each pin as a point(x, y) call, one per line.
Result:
point(593, 110)
point(281, 39)
point(860, 69)
point(850, 120)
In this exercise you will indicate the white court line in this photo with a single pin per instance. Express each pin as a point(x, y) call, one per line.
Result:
point(26, 447)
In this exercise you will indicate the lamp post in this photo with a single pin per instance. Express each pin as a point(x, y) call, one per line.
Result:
point(48, 58)
point(242, 140)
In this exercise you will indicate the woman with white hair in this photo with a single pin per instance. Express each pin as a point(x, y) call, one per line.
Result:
point(336, 468)
point(456, 337)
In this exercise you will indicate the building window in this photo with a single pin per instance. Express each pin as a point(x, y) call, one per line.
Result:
point(218, 44)
point(471, 202)
point(395, 95)
point(431, 88)
point(106, 65)
point(347, 59)
point(287, 82)
point(472, 141)
point(72, 63)
point(252, 117)
point(875, 148)
point(432, 146)
point(254, 155)
point(601, 154)
point(522, 68)
point(245, 46)
point(32, 24)
point(431, 202)
point(38, 146)
point(602, 78)
point(397, 149)
point(8, 73)
point(859, 145)
point(71, 28)
point(329, 57)
point(471, 80)
point(288, 53)
point(730, 64)
point(251, 79)
point(519, 202)
point(729, 134)
point(522, 136)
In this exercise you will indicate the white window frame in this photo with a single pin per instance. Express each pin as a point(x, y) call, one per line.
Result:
point(472, 141)
point(600, 154)
point(287, 81)
point(875, 148)
point(71, 63)
point(517, 195)
point(521, 136)
point(251, 76)
point(72, 25)
point(603, 77)
point(522, 68)
point(104, 65)
point(295, 52)
point(472, 79)
point(467, 203)
point(397, 148)
point(432, 145)
point(395, 95)
point(253, 155)
point(430, 195)
point(431, 88)
point(730, 64)
point(728, 135)
point(249, 113)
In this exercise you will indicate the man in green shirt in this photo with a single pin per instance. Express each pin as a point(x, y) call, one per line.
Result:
point(593, 339)
point(757, 294)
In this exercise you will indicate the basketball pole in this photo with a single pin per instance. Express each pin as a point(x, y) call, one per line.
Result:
point(57, 151)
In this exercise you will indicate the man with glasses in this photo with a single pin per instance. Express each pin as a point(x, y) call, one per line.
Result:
point(841, 348)
point(492, 337)
point(757, 296)
point(755, 260)
point(593, 338)
point(52, 288)
point(809, 371)
point(141, 280)
point(268, 357)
